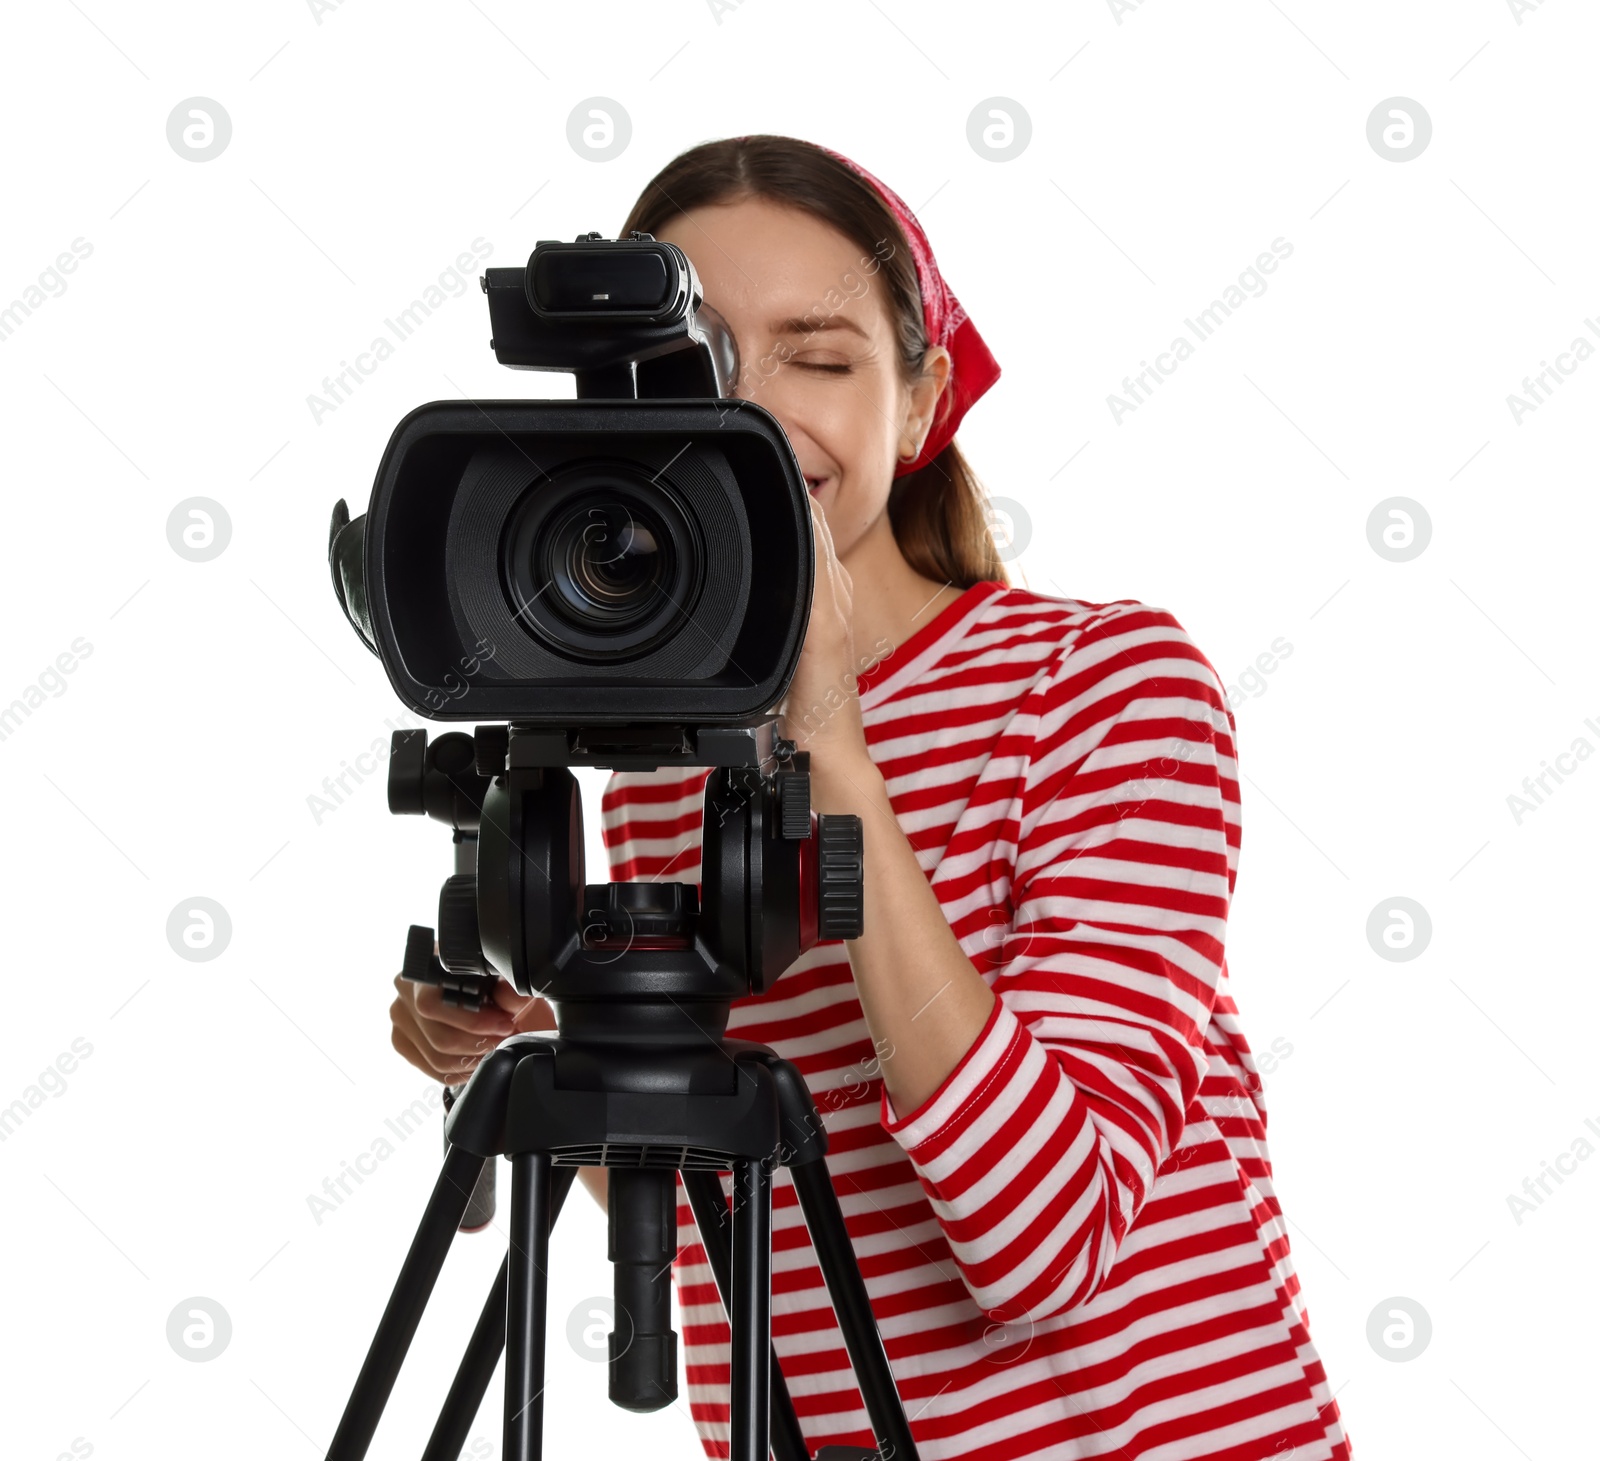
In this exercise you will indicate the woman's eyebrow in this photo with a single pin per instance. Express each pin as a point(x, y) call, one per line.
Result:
point(807, 325)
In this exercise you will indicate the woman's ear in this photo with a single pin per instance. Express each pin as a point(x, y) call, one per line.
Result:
point(923, 401)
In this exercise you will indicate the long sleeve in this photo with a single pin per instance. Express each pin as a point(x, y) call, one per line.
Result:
point(1041, 1146)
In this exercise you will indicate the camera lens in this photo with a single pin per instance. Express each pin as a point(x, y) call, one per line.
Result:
point(608, 563)
point(600, 563)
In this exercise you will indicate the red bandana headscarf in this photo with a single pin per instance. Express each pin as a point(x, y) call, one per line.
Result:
point(972, 368)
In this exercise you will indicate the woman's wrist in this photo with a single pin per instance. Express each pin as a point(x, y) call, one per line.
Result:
point(842, 780)
point(598, 1183)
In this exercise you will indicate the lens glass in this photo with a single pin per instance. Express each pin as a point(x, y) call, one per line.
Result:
point(607, 562)
point(601, 562)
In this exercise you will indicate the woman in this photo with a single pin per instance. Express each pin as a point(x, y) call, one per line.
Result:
point(1046, 1128)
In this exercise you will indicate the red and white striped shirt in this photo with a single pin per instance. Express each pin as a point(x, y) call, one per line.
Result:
point(1072, 1247)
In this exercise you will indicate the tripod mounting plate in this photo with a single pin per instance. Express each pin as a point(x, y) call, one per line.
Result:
point(636, 747)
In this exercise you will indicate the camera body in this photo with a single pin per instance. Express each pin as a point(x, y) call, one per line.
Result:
point(636, 559)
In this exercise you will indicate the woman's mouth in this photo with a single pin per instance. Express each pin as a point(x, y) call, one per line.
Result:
point(815, 483)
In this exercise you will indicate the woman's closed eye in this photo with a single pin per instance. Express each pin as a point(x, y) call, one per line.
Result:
point(822, 365)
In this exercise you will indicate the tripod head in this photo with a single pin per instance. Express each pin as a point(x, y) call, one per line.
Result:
point(629, 962)
point(641, 975)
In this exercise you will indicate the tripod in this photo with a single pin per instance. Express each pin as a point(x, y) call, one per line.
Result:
point(640, 1076)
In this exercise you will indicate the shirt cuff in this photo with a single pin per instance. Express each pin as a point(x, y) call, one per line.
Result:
point(973, 1072)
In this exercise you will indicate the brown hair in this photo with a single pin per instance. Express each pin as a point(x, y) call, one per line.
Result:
point(938, 513)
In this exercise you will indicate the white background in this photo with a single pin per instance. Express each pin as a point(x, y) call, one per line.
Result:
point(1170, 145)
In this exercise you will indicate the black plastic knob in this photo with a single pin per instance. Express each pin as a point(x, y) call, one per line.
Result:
point(490, 745)
point(794, 805)
point(465, 991)
point(841, 866)
point(460, 943)
point(408, 768)
point(436, 778)
point(420, 966)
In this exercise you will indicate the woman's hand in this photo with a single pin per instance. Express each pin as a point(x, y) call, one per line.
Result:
point(446, 1041)
point(821, 712)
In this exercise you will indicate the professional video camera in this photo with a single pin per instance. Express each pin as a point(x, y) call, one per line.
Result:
point(619, 581)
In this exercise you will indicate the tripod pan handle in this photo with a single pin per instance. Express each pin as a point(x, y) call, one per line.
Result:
point(422, 966)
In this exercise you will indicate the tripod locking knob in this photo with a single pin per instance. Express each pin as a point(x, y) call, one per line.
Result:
point(436, 778)
point(840, 876)
point(467, 991)
point(490, 745)
point(460, 944)
point(794, 805)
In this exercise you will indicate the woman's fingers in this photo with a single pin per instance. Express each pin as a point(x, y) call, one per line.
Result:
point(842, 589)
point(447, 1041)
point(536, 1016)
point(508, 1001)
point(445, 1051)
point(428, 1001)
point(408, 1048)
point(526, 1012)
point(410, 1039)
point(838, 581)
point(442, 1039)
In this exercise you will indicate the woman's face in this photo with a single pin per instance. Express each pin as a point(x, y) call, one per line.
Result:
point(816, 348)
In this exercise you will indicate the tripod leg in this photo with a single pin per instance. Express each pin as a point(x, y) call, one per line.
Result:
point(472, 1376)
point(751, 1314)
point(527, 1284)
point(412, 1290)
point(482, 1354)
point(711, 1217)
point(848, 1291)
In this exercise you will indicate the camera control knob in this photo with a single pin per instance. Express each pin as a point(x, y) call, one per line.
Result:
point(840, 880)
point(794, 805)
point(466, 991)
point(490, 746)
point(460, 944)
point(408, 773)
